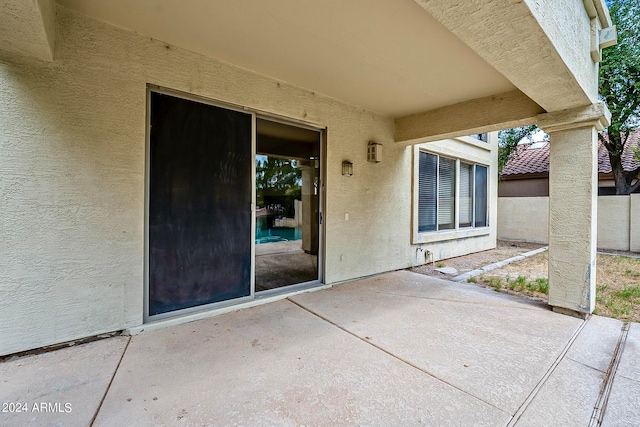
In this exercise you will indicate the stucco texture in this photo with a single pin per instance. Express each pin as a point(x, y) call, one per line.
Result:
point(523, 219)
point(567, 25)
point(28, 28)
point(72, 138)
point(526, 219)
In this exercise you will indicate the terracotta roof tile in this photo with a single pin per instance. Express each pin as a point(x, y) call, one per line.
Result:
point(529, 161)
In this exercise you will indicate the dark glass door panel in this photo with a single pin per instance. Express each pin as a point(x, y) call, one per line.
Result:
point(199, 204)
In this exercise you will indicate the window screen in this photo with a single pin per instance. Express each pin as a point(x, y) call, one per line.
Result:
point(466, 195)
point(439, 201)
point(447, 194)
point(199, 204)
point(481, 196)
point(428, 187)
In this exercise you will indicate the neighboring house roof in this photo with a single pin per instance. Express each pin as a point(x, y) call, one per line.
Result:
point(527, 159)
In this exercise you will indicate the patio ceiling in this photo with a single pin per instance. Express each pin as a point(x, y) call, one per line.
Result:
point(389, 56)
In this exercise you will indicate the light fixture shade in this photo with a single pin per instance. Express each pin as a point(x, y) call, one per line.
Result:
point(374, 152)
point(347, 168)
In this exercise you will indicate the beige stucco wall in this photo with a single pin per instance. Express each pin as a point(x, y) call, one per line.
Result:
point(527, 219)
point(524, 219)
point(72, 138)
point(27, 28)
point(568, 26)
point(539, 187)
point(532, 187)
point(614, 222)
point(634, 220)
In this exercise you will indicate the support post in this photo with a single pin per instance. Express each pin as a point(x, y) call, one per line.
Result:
point(573, 209)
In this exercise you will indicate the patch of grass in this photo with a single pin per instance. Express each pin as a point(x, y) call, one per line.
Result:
point(543, 285)
point(618, 291)
point(516, 284)
point(628, 292)
point(529, 287)
point(619, 309)
point(495, 283)
point(630, 272)
point(440, 264)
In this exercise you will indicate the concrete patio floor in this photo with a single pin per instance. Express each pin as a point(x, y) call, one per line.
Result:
point(395, 349)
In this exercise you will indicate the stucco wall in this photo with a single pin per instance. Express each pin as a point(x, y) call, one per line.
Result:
point(72, 138)
point(614, 222)
point(539, 187)
point(634, 239)
point(524, 219)
point(527, 219)
point(568, 26)
point(533, 187)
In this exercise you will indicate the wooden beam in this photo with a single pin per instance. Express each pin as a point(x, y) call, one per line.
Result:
point(480, 115)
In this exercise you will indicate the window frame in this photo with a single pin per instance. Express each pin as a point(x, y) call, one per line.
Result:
point(458, 231)
point(484, 137)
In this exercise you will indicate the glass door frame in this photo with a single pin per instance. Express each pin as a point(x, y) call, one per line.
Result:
point(321, 205)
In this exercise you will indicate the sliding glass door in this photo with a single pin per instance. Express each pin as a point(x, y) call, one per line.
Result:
point(199, 204)
point(287, 205)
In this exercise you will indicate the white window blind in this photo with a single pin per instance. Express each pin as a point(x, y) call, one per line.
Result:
point(439, 201)
point(481, 196)
point(466, 195)
point(428, 187)
point(446, 194)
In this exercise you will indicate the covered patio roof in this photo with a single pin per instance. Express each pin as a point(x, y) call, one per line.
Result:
point(441, 70)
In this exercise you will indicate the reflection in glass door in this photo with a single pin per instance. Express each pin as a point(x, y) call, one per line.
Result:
point(287, 184)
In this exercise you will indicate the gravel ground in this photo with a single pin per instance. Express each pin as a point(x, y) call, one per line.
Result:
point(504, 250)
point(618, 276)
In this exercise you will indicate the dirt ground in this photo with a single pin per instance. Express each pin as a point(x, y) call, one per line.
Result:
point(617, 277)
point(504, 250)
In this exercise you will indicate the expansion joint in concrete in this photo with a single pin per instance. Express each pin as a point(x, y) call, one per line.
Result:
point(546, 376)
point(115, 371)
point(395, 356)
point(607, 383)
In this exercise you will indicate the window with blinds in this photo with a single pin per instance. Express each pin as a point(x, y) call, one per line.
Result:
point(446, 194)
point(481, 196)
point(438, 206)
point(466, 195)
point(428, 188)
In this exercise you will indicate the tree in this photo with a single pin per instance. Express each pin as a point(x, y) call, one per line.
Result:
point(619, 87)
point(508, 141)
point(277, 177)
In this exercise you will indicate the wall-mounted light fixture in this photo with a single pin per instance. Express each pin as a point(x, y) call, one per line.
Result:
point(374, 152)
point(347, 168)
